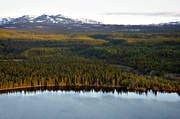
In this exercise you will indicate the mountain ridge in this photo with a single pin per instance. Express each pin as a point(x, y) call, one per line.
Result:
point(55, 19)
point(63, 23)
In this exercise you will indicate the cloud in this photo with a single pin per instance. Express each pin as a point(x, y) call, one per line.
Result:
point(163, 14)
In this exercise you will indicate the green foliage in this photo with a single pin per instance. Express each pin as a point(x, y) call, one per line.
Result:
point(144, 52)
point(131, 60)
point(73, 71)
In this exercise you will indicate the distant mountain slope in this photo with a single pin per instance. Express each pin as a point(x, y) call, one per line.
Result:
point(60, 22)
point(55, 19)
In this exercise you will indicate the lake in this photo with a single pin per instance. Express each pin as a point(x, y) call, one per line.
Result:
point(63, 104)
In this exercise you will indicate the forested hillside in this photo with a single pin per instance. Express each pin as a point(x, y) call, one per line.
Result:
point(137, 61)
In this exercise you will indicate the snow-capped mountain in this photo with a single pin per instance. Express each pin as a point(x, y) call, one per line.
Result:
point(49, 19)
point(62, 23)
point(6, 20)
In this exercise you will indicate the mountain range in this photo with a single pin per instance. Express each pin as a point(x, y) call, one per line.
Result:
point(60, 22)
point(54, 19)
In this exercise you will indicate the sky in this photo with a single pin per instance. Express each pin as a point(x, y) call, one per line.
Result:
point(105, 11)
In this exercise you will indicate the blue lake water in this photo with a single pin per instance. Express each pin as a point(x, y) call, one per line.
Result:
point(89, 105)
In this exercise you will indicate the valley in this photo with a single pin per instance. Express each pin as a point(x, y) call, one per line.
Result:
point(135, 61)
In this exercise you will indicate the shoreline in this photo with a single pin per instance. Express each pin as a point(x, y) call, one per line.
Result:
point(155, 89)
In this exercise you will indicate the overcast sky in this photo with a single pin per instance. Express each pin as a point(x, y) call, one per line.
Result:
point(106, 11)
